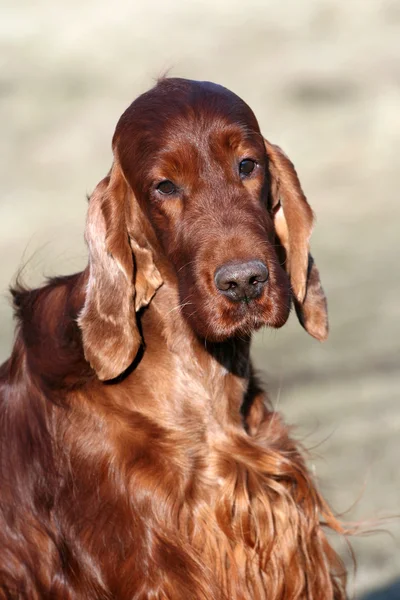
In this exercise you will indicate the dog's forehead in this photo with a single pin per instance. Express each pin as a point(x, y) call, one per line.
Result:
point(184, 105)
point(179, 117)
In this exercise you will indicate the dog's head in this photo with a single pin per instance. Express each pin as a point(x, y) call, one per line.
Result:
point(229, 214)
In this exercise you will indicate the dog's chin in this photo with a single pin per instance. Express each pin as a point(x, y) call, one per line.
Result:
point(238, 320)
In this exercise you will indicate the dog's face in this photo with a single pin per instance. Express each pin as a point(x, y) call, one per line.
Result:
point(227, 209)
point(200, 173)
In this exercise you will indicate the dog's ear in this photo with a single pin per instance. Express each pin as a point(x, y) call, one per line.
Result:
point(293, 221)
point(122, 279)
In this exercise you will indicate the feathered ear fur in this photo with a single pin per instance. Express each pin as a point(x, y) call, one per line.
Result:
point(293, 220)
point(122, 279)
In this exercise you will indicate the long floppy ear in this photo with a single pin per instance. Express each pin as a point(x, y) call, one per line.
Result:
point(293, 220)
point(122, 279)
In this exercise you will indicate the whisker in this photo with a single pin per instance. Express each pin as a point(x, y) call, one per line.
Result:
point(186, 265)
point(177, 307)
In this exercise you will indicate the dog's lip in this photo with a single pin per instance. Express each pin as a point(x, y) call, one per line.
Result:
point(256, 312)
point(246, 304)
point(246, 312)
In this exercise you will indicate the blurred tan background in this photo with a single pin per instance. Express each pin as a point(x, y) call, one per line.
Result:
point(323, 77)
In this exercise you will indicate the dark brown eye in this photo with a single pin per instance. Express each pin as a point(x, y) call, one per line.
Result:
point(246, 167)
point(166, 187)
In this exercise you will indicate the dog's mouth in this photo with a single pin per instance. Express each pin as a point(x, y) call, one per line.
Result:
point(238, 309)
point(249, 314)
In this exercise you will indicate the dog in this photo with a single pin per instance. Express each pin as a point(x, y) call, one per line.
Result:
point(140, 458)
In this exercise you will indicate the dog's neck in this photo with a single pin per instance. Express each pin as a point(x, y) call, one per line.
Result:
point(216, 374)
point(232, 354)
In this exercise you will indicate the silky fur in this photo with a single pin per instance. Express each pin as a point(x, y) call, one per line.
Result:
point(139, 456)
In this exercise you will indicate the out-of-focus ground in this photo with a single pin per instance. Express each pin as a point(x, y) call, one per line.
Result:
point(323, 77)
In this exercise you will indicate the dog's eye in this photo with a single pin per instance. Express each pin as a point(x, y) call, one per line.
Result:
point(246, 167)
point(166, 187)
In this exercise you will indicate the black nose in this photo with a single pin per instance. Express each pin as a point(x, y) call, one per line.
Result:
point(241, 281)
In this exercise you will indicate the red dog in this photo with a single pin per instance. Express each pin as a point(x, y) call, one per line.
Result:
point(139, 458)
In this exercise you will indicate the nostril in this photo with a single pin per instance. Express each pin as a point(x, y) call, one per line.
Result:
point(222, 283)
point(260, 274)
point(225, 279)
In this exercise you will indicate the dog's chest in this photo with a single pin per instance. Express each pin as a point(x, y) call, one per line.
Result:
point(175, 465)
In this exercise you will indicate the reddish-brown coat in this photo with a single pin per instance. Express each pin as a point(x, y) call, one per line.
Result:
point(139, 457)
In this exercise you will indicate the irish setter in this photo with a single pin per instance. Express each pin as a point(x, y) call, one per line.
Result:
point(139, 456)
